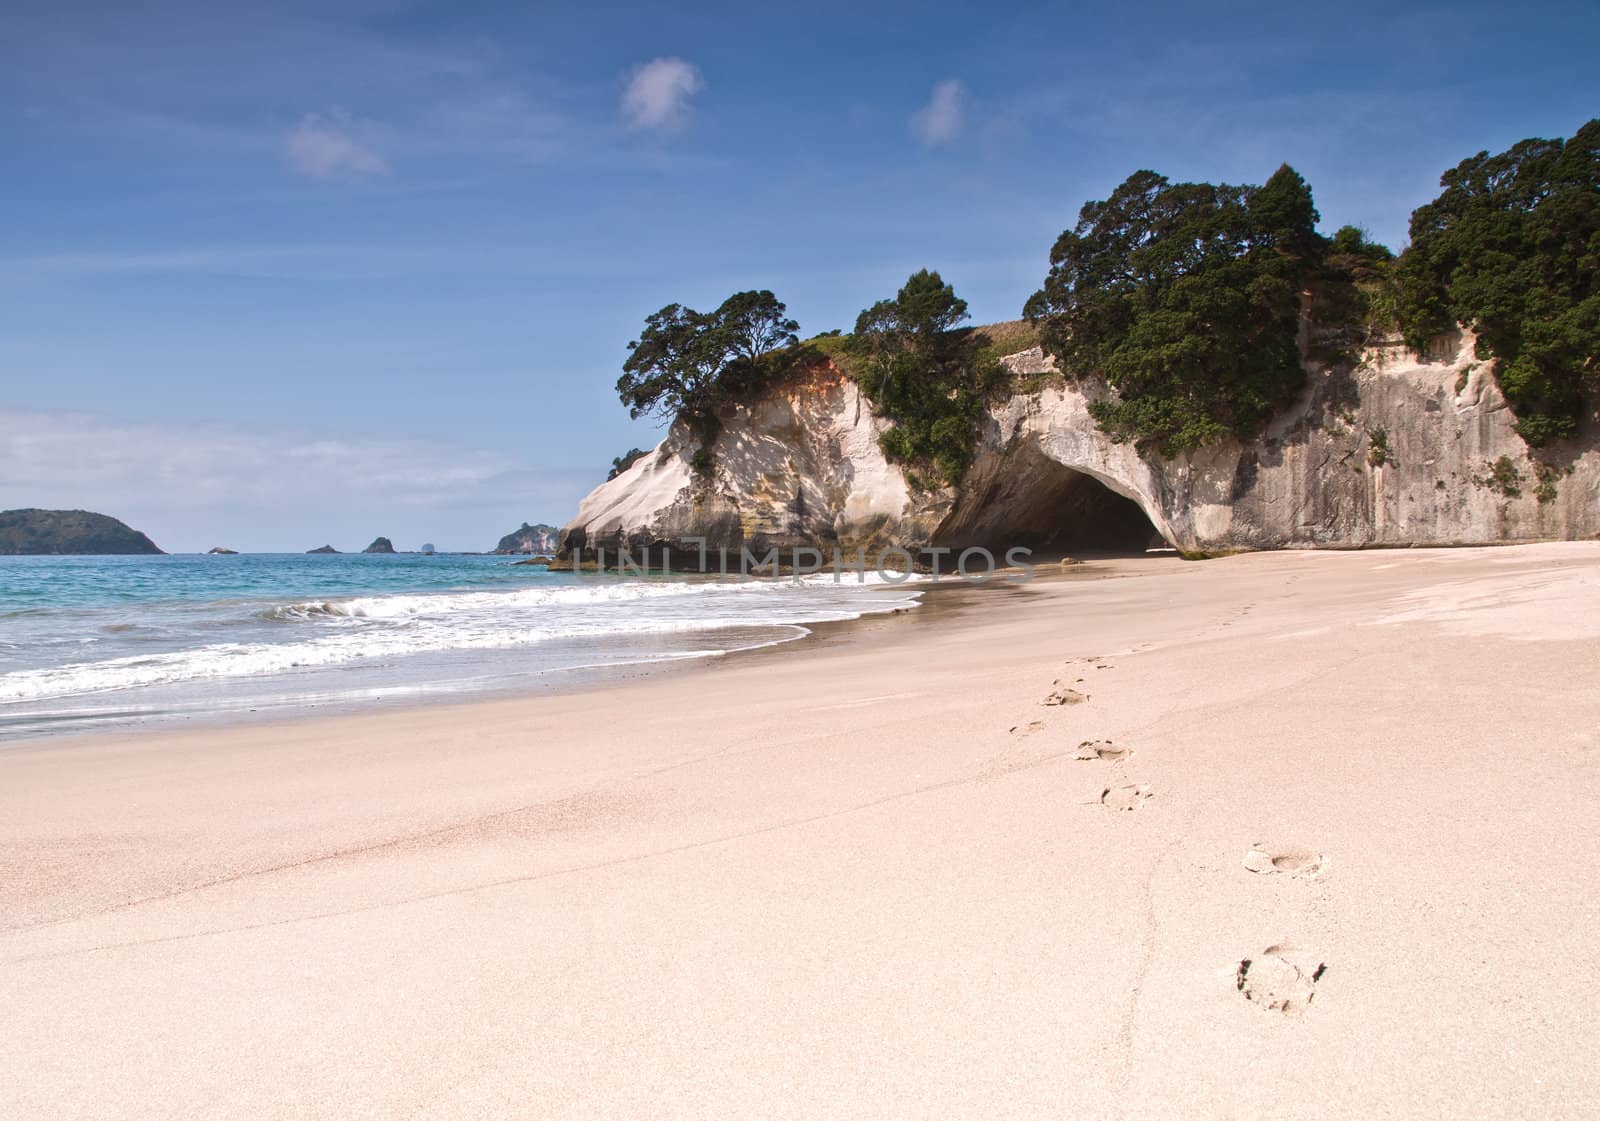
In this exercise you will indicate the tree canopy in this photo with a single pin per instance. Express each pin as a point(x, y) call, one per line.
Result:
point(1512, 248)
point(925, 375)
point(686, 363)
point(1186, 298)
point(1198, 303)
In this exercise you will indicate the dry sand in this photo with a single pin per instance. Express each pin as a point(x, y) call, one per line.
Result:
point(1330, 852)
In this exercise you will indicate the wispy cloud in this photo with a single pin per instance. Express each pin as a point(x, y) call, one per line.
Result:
point(269, 489)
point(329, 261)
point(79, 452)
point(123, 75)
point(939, 121)
point(325, 146)
point(658, 93)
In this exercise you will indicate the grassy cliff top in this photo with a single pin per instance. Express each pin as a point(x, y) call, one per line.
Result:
point(994, 341)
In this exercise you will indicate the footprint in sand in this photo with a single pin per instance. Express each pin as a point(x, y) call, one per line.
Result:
point(1028, 729)
point(1281, 978)
point(1064, 694)
point(1266, 860)
point(1124, 797)
point(1102, 750)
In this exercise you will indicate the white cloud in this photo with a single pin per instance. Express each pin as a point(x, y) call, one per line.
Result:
point(658, 93)
point(323, 146)
point(939, 121)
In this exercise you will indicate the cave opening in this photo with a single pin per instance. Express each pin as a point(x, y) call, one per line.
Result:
point(1040, 504)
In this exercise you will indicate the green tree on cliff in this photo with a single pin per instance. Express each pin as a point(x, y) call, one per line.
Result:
point(906, 336)
point(1512, 248)
point(1186, 298)
point(756, 324)
point(686, 363)
point(926, 376)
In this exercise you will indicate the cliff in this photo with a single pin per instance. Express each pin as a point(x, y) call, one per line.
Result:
point(530, 539)
point(57, 532)
point(1394, 449)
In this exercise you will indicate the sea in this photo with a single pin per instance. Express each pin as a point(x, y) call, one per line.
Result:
point(95, 642)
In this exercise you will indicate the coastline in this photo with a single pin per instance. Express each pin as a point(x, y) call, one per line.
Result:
point(703, 891)
point(452, 667)
point(935, 601)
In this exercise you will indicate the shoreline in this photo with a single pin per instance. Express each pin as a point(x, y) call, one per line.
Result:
point(934, 599)
point(134, 718)
point(1192, 840)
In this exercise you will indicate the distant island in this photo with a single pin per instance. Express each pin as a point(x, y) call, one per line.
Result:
point(219, 551)
point(321, 549)
point(380, 545)
point(64, 532)
point(530, 539)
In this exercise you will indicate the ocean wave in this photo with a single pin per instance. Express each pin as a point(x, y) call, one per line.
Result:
point(382, 628)
point(401, 607)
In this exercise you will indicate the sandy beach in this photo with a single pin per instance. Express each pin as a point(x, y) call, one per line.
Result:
point(1307, 835)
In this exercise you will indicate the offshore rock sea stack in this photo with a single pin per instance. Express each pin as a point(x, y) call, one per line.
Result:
point(1392, 449)
point(539, 538)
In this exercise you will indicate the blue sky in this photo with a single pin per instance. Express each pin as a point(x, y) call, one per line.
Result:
point(274, 275)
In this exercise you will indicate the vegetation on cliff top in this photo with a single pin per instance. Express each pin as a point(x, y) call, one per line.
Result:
point(685, 364)
point(1186, 298)
point(925, 376)
point(1197, 304)
point(1512, 247)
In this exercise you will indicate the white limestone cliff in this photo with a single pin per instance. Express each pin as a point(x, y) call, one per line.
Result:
point(1397, 450)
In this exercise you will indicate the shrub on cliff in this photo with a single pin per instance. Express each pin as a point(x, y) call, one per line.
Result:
point(622, 462)
point(1186, 298)
point(928, 377)
point(1512, 248)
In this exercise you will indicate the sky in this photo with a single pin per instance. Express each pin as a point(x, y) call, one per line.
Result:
point(280, 275)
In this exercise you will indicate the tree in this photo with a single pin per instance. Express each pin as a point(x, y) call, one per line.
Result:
point(673, 366)
point(1511, 247)
point(926, 375)
point(879, 337)
point(927, 307)
point(1186, 298)
point(756, 324)
point(685, 363)
point(901, 335)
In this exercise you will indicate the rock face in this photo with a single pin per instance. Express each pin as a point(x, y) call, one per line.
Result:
point(530, 539)
point(61, 532)
point(1394, 449)
point(380, 545)
point(321, 549)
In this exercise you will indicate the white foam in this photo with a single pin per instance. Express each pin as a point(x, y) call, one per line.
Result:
point(326, 633)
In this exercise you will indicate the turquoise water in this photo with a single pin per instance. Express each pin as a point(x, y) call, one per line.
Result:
point(90, 641)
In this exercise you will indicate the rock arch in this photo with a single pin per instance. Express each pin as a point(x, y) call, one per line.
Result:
point(1026, 496)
